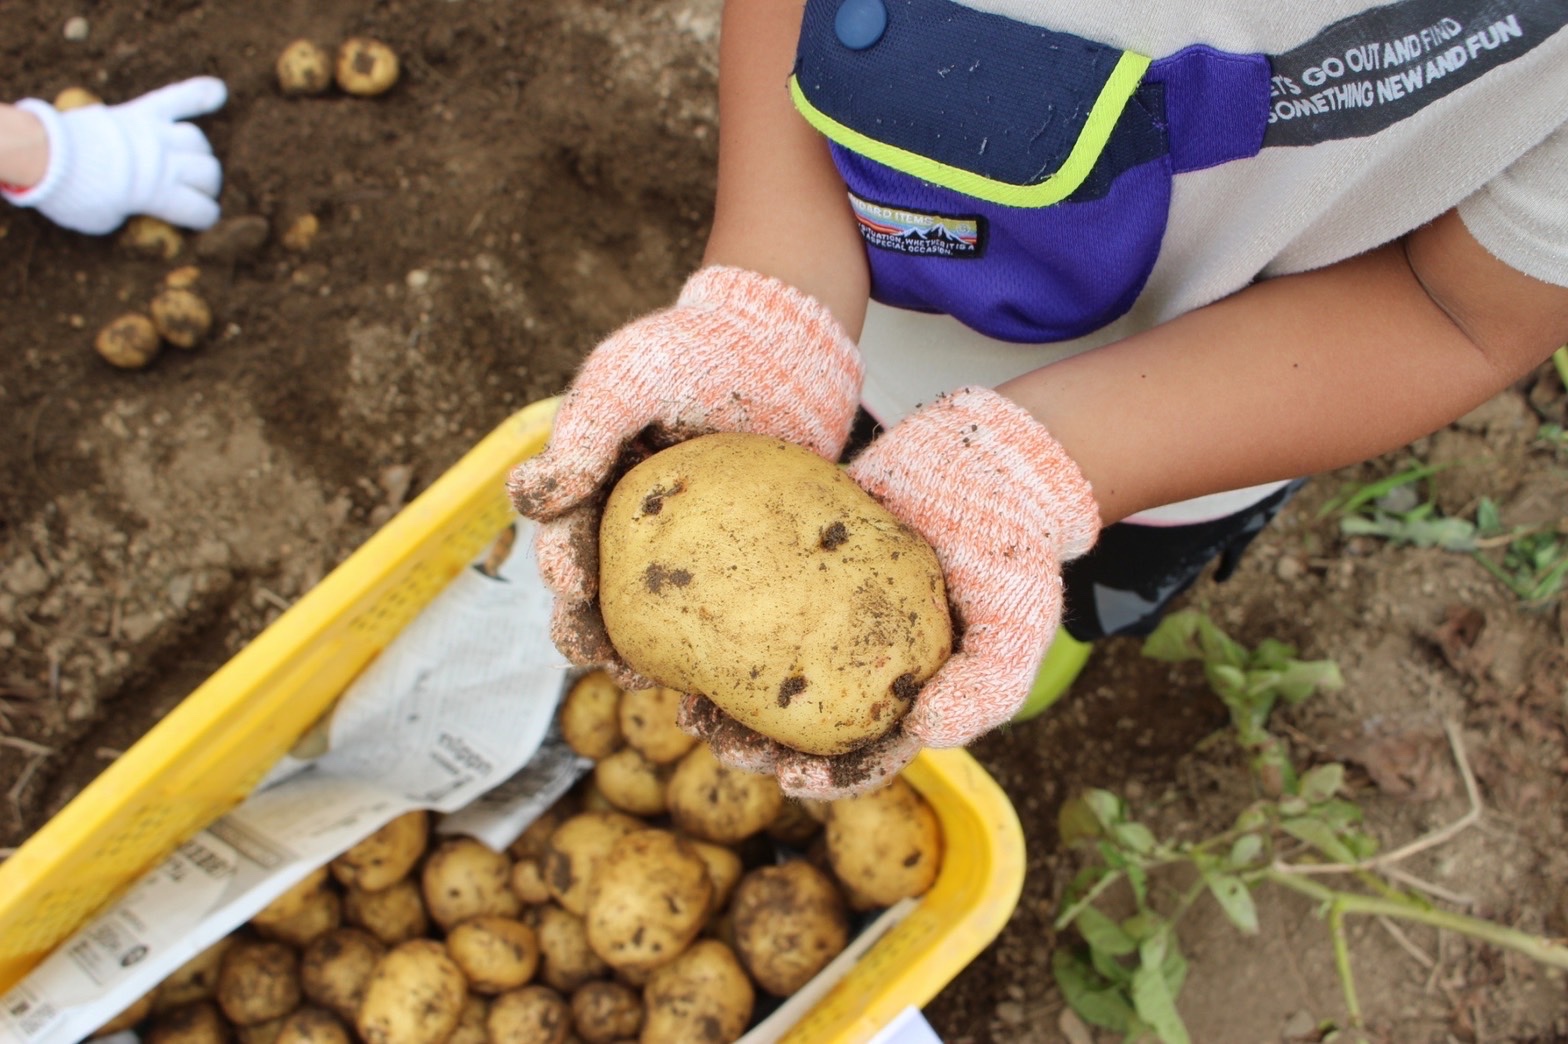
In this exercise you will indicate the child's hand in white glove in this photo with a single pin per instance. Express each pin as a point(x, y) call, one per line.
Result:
point(107, 163)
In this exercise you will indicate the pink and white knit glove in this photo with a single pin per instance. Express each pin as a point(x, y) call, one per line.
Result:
point(738, 352)
point(1004, 507)
point(108, 162)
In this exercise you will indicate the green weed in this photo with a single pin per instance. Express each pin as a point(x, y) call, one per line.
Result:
point(1127, 973)
point(1532, 562)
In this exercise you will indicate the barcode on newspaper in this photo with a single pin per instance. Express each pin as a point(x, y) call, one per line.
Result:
point(28, 1012)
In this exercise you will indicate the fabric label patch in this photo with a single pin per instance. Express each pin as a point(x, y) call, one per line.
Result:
point(915, 232)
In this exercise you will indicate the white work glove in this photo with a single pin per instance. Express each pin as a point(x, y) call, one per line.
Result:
point(107, 162)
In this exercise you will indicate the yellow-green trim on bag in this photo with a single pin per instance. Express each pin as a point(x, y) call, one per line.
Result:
point(1054, 188)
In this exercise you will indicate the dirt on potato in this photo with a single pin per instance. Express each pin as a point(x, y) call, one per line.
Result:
point(539, 174)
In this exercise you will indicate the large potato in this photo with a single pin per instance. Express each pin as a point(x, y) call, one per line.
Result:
point(760, 575)
point(702, 995)
point(648, 901)
point(304, 67)
point(884, 845)
point(415, 996)
point(789, 922)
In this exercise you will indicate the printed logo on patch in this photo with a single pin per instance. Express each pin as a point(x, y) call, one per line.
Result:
point(913, 232)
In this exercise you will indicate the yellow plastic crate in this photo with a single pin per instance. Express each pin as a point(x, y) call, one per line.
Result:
point(205, 756)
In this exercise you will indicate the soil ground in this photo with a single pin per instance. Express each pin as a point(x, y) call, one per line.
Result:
point(541, 173)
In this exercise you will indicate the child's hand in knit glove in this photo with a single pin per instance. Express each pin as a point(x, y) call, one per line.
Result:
point(738, 352)
point(1004, 507)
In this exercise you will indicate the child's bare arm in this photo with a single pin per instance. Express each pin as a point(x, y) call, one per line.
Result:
point(1299, 374)
point(781, 208)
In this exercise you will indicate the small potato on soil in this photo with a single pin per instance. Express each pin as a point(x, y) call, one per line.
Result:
point(129, 342)
point(531, 1015)
point(366, 67)
point(300, 233)
point(304, 67)
point(496, 954)
point(258, 981)
point(605, 1012)
point(790, 922)
point(884, 845)
point(183, 278)
point(336, 967)
point(182, 316)
point(415, 995)
point(75, 98)
point(703, 994)
point(386, 856)
point(151, 237)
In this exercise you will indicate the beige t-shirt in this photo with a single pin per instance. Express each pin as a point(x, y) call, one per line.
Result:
point(1365, 142)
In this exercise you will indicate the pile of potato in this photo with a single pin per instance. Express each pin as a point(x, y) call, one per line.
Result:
point(363, 66)
point(177, 314)
point(653, 903)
